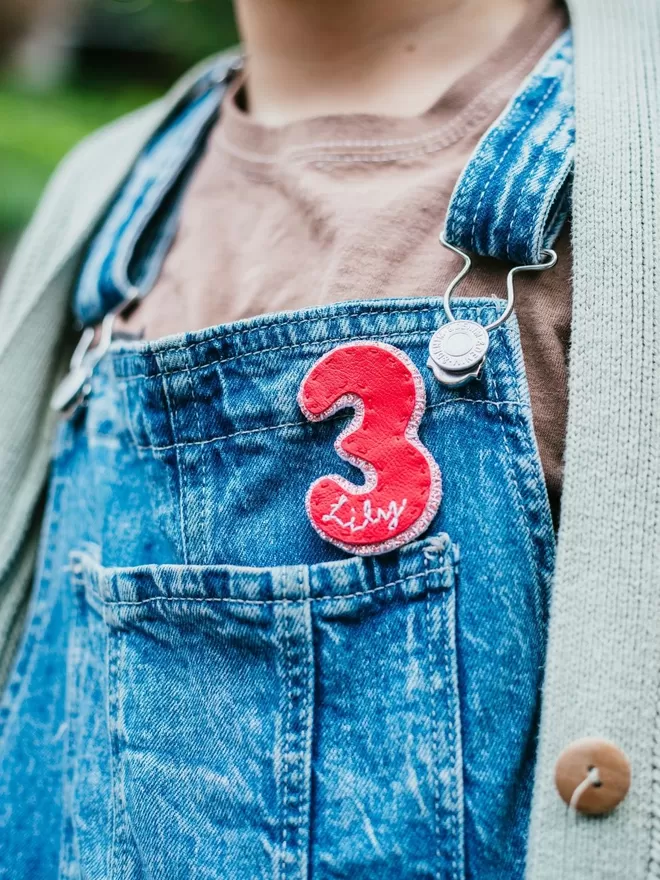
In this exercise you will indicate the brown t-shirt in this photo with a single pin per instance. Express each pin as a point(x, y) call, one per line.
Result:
point(350, 207)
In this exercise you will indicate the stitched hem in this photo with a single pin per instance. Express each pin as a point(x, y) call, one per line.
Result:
point(283, 601)
point(269, 323)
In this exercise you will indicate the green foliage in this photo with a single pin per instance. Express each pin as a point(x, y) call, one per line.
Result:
point(192, 29)
point(36, 130)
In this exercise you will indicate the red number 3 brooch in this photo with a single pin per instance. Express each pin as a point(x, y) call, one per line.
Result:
point(402, 489)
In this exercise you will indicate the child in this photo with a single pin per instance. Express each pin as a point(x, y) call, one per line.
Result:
point(291, 605)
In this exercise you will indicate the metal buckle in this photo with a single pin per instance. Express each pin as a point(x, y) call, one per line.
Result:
point(457, 351)
point(71, 393)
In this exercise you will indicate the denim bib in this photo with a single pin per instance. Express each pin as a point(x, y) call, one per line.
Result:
point(207, 689)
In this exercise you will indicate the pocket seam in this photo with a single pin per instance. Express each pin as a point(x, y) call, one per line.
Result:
point(284, 601)
point(445, 658)
point(118, 845)
point(76, 673)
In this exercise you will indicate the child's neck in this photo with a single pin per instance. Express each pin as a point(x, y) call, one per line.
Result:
point(395, 57)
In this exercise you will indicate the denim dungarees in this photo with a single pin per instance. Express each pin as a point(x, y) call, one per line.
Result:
point(206, 689)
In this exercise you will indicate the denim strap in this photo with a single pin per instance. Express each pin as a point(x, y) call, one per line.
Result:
point(131, 245)
point(514, 195)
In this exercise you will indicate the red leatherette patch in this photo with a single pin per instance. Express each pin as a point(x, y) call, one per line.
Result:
point(402, 489)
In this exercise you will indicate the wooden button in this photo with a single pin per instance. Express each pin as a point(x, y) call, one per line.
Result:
point(574, 765)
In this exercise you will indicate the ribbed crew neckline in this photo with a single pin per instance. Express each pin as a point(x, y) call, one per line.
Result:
point(474, 99)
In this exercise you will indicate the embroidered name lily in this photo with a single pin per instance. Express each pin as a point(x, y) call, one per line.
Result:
point(391, 515)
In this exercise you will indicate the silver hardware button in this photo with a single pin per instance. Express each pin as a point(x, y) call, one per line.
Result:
point(459, 347)
point(454, 380)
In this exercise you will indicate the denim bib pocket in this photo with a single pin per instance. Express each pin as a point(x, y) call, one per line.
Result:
point(216, 598)
point(223, 685)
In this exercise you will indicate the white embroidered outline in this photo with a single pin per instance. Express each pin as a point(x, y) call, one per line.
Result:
point(354, 401)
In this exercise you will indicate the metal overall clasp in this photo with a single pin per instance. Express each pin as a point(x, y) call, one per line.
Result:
point(457, 351)
point(75, 387)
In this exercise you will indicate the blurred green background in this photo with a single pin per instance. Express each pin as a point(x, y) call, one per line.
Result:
point(69, 66)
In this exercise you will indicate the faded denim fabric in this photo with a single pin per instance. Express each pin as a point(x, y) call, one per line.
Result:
point(514, 195)
point(206, 689)
point(226, 695)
